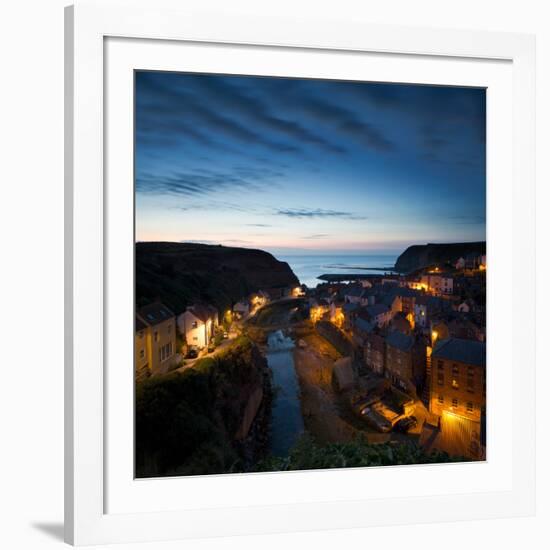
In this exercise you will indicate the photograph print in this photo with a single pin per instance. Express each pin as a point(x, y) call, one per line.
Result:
point(310, 274)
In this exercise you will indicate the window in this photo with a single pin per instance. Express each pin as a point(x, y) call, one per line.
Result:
point(170, 328)
point(440, 379)
point(194, 324)
point(470, 407)
point(440, 399)
point(156, 336)
point(455, 370)
point(440, 365)
point(141, 353)
point(455, 403)
point(454, 384)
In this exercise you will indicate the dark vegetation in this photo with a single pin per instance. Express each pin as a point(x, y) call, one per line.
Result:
point(308, 455)
point(423, 255)
point(179, 274)
point(186, 422)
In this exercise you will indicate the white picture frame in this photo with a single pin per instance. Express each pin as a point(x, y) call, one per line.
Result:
point(103, 503)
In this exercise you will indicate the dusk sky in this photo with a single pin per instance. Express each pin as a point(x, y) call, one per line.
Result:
point(295, 165)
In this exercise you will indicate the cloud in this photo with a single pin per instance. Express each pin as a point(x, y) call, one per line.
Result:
point(317, 236)
point(165, 104)
point(258, 225)
point(256, 111)
point(317, 213)
point(202, 182)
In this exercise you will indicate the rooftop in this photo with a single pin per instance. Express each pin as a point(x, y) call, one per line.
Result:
point(470, 352)
point(403, 342)
point(154, 313)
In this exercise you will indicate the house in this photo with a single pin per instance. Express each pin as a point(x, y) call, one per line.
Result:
point(361, 329)
point(440, 284)
point(426, 307)
point(457, 393)
point(471, 261)
point(401, 323)
point(407, 298)
point(380, 314)
point(356, 295)
point(465, 328)
point(405, 360)
point(197, 324)
point(241, 309)
point(375, 352)
point(155, 339)
point(141, 355)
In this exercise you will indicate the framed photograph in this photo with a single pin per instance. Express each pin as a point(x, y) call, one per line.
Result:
point(299, 274)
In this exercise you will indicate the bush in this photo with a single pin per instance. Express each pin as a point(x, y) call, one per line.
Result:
point(307, 455)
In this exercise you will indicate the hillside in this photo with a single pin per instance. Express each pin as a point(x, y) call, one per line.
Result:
point(180, 274)
point(418, 256)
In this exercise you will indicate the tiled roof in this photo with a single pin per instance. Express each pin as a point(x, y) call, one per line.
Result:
point(203, 312)
point(349, 308)
point(364, 325)
point(356, 291)
point(403, 342)
point(155, 313)
point(470, 352)
point(376, 309)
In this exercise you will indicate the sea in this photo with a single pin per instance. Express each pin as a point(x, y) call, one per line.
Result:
point(308, 267)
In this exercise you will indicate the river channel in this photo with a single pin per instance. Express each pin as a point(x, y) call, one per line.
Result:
point(287, 423)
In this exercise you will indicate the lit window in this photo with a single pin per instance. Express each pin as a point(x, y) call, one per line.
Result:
point(454, 384)
point(194, 324)
point(440, 399)
point(455, 403)
point(440, 379)
point(470, 407)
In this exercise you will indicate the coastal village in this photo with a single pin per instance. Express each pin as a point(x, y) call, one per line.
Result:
point(392, 356)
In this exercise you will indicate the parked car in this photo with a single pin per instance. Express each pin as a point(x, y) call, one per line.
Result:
point(406, 424)
point(192, 353)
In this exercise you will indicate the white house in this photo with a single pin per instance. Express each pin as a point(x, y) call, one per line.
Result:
point(197, 324)
point(438, 284)
point(242, 308)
